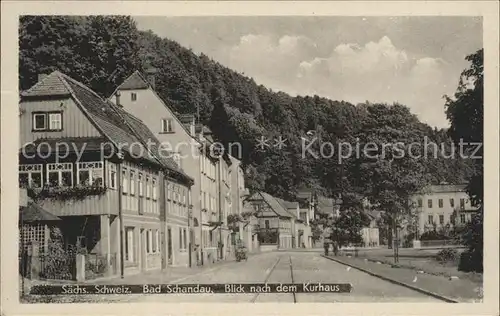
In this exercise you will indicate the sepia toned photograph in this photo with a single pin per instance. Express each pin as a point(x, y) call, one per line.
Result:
point(250, 159)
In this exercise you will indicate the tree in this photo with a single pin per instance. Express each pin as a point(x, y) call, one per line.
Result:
point(465, 112)
point(389, 173)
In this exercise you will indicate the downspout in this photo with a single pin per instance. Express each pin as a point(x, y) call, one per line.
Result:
point(163, 220)
point(190, 210)
point(120, 216)
point(220, 209)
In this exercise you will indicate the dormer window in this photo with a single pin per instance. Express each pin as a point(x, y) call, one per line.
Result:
point(133, 96)
point(167, 126)
point(47, 121)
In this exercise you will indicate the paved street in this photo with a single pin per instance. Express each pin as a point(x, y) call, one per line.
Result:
point(274, 267)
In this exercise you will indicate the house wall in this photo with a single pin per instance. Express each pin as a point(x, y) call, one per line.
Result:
point(177, 211)
point(446, 210)
point(151, 110)
point(74, 122)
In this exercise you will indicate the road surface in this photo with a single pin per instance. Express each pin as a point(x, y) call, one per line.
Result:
point(280, 267)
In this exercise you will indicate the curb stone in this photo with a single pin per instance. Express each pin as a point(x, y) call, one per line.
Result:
point(426, 292)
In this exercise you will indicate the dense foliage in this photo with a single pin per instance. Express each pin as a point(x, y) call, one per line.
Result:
point(465, 112)
point(102, 51)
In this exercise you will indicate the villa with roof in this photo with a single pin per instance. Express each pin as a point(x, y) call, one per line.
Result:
point(102, 172)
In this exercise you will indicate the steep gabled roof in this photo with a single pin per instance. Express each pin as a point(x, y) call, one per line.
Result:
point(116, 125)
point(51, 85)
point(275, 205)
point(134, 82)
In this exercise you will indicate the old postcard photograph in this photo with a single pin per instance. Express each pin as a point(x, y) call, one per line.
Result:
point(160, 156)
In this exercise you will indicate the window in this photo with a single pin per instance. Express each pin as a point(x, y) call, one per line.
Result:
point(47, 121)
point(184, 238)
point(148, 188)
point(441, 219)
point(169, 191)
point(451, 219)
point(452, 202)
point(31, 175)
point(90, 173)
point(133, 96)
point(132, 182)
point(124, 181)
point(155, 241)
point(129, 244)
point(157, 238)
point(430, 219)
point(462, 204)
point(153, 181)
point(141, 187)
point(60, 174)
point(419, 202)
point(112, 176)
point(440, 203)
point(462, 218)
point(55, 121)
point(39, 121)
point(181, 245)
point(267, 224)
point(149, 241)
point(167, 126)
point(429, 203)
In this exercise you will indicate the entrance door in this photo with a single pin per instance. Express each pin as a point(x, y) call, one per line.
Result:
point(169, 245)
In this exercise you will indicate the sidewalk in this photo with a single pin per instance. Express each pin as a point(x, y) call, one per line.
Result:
point(459, 290)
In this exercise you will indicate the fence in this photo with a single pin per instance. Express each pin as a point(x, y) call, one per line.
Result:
point(439, 243)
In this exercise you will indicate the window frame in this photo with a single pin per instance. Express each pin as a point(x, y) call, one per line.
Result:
point(148, 187)
point(86, 166)
point(440, 203)
point(430, 219)
point(125, 180)
point(154, 188)
point(429, 203)
point(129, 255)
point(133, 96)
point(441, 219)
point(112, 177)
point(167, 122)
point(452, 202)
point(47, 121)
point(27, 169)
point(59, 172)
point(463, 218)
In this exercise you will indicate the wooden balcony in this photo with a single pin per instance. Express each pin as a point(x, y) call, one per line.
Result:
point(79, 201)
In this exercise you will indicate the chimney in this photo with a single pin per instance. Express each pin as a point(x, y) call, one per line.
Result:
point(150, 75)
point(117, 98)
point(41, 77)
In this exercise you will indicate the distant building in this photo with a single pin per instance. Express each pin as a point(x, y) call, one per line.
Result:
point(370, 233)
point(443, 206)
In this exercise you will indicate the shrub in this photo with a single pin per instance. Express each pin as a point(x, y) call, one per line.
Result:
point(447, 255)
point(472, 236)
point(433, 235)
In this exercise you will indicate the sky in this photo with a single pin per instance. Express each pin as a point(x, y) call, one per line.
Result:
point(414, 61)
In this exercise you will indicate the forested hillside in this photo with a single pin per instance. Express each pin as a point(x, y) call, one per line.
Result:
point(102, 51)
